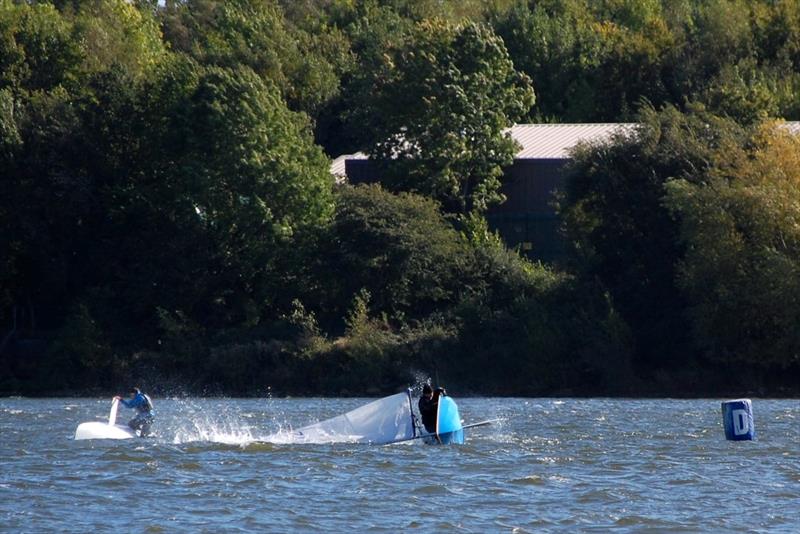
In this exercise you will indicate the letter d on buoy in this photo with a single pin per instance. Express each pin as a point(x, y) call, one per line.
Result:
point(737, 418)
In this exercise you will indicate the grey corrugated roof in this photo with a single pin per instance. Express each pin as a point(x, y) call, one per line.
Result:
point(337, 165)
point(554, 141)
point(538, 141)
point(549, 141)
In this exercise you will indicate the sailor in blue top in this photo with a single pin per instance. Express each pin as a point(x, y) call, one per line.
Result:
point(144, 406)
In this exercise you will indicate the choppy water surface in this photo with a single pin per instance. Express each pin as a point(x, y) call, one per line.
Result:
point(558, 465)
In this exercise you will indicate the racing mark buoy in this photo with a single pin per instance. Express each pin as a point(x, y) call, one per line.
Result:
point(737, 418)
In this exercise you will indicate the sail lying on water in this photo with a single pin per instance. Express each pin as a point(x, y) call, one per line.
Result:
point(382, 421)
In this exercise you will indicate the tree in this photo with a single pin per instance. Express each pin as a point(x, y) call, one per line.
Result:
point(625, 237)
point(118, 33)
point(52, 64)
point(208, 174)
point(590, 61)
point(435, 111)
point(304, 66)
point(38, 50)
point(741, 231)
point(397, 247)
point(10, 142)
point(555, 45)
point(596, 61)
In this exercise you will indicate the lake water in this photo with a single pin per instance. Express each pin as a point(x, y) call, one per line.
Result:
point(552, 465)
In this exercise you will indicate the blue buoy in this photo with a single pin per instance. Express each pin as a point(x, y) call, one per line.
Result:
point(737, 417)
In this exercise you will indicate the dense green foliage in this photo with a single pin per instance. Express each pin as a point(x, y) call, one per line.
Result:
point(435, 109)
point(622, 233)
point(593, 61)
point(740, 270)
point(167, 213)
point(688, 222)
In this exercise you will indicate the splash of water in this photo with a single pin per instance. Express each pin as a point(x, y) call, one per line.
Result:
point(209, 421)
point(197, 423)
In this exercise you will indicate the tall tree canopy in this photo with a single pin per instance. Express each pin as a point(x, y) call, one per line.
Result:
point(595, 61)
point(434, 113)
point(147, 178)
point(210, 176)
point(304, 65)
point(623, 234)
point(741, 232)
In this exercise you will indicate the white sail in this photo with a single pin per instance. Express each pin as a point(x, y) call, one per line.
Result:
point(382, 421)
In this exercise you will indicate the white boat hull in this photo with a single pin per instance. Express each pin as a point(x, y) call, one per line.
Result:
point(100, 430)
point(109, 430)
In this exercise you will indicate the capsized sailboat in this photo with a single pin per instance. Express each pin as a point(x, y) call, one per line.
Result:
point(102, 430)
point(382, 421)
point(387, 420)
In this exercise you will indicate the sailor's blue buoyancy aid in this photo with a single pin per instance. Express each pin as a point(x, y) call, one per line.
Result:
point(140, 402)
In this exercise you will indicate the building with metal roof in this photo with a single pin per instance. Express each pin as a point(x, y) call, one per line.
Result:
point(527, 219)
point(555, 141)
point(537, 141)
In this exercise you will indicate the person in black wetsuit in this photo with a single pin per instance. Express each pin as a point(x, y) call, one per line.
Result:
point(429, 405)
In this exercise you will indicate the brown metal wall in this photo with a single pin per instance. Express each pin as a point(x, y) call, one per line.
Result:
point(361, 171)
point(527, 219)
